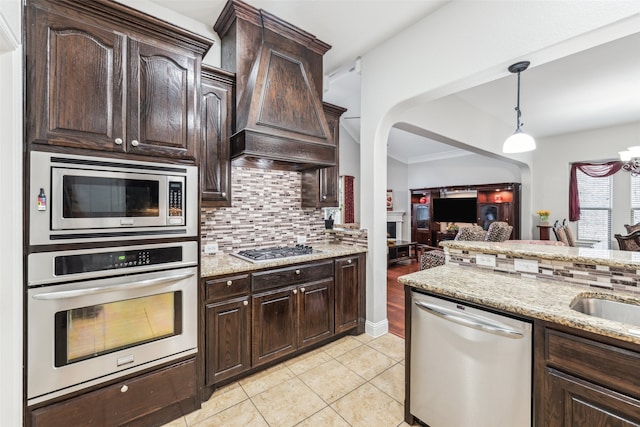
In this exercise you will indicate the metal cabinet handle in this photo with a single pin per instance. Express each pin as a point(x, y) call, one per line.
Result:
point(229, 282)
point(135, 143)
point(479, 323)
point(302, 290)
point(118, 141)
point(297, 271)
point(245, 303)
point(223, 194)
point(124, 389)
point(349, 261)
point(324, 197)
point(295, 291)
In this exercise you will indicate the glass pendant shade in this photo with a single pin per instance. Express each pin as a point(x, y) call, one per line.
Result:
point(519, 142)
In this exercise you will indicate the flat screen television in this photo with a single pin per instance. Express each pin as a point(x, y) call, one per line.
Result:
point(462, 209)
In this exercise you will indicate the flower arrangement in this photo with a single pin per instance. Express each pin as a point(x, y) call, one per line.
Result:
point(544, 215)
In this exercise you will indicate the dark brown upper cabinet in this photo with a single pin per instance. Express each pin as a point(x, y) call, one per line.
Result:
point(320, 186)
point(216, 121)
point(105, 77)
point(280, 122)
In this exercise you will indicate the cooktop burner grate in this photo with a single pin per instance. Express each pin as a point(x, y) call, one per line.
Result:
point(267, 254)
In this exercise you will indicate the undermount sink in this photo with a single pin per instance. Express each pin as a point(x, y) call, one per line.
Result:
point(619, 311)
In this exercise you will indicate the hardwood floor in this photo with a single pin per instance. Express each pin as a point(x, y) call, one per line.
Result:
point(395, 294)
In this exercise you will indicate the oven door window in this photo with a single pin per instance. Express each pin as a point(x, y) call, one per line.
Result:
point(100, 197)
point(87, 332)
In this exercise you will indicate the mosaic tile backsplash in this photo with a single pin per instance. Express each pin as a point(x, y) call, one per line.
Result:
point(265, 211)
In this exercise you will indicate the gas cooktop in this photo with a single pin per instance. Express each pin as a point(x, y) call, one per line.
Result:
point(268, 254)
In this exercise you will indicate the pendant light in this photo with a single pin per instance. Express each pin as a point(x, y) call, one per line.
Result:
point(519, 142)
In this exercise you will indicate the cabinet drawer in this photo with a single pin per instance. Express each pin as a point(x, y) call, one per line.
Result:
point(125, 401)
point(226, 287)
point(603, 364)
point(291, 275)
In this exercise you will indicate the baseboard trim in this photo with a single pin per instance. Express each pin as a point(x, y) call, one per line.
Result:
point(377, 329)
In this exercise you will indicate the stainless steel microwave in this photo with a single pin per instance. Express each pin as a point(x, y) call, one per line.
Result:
point(76, 199)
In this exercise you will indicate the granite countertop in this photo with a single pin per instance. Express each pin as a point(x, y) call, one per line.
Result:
point(611, 258)
point(221, 264)
point(534, 298)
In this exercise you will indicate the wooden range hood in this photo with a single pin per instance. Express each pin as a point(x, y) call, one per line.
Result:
point(279, 120)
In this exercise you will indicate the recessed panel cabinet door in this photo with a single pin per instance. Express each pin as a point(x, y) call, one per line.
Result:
point(315, 312)
point(347, 301)
point(228, 337)
point(215, 130)
point(74, 83)
point(274, 325)
point(161, 101)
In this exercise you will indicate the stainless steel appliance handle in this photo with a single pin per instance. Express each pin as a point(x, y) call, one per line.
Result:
point(476, 322)
point(110, 288)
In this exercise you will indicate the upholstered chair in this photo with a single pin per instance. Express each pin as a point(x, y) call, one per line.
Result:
point(630, 242)
point(632, 228)
point(498, 231)
point(436, 257)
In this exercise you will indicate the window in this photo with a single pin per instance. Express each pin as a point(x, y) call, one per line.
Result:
point(635, 199)
point(595, 209)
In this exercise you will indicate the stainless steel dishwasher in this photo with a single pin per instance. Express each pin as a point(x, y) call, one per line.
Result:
point(469, 367)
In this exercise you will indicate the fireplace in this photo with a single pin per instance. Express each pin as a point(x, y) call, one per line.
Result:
point(391, 230)
point(394, 224)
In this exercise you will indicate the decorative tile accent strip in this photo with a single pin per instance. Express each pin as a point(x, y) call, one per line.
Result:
point(579, 273)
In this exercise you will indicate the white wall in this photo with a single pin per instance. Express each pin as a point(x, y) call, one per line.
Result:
point(397, 180)
point(461, 45)
point(11, 285)
point(554, 155)
point(212, 57)
point(350, 165)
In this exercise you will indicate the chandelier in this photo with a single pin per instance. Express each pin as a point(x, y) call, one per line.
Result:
point(631, 159)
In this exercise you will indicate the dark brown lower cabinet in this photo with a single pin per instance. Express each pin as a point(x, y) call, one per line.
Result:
point(347, 301)
point(587, 382)
point(228, 339)
point(150, 399)
point(274, 325)
point(289, 319)
point(315, 312)
point(252, 319)
point(575, 402)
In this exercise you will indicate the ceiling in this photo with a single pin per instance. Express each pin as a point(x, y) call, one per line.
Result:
point(594, 88)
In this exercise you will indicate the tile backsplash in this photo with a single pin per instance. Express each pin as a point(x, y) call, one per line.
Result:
point(265, 211)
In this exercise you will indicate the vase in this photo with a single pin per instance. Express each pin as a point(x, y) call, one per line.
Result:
point(544, 219)
point(328, 224)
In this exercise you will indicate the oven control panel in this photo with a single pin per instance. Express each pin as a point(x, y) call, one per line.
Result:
point(112, 260)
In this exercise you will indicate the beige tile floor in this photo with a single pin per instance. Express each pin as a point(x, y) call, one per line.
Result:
point(355, 381)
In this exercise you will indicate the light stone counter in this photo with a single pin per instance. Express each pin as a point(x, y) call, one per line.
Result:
point(221, 264)
point(611, 258)
point(533, 298)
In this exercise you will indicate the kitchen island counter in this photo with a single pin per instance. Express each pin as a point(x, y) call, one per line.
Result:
point(221, 264)
point(541, 299)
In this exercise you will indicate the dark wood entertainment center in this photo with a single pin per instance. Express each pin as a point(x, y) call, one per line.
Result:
point(495, 202)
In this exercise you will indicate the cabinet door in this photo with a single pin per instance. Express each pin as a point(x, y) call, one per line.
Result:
point(74, 83)
point(161, 101)
point(274, 325)
point(227, 339)
point(347, 299)
point(574, 402)
point(315, 312)
point(216, 117)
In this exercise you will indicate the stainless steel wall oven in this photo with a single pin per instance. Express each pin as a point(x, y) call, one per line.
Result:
point(98, 314)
